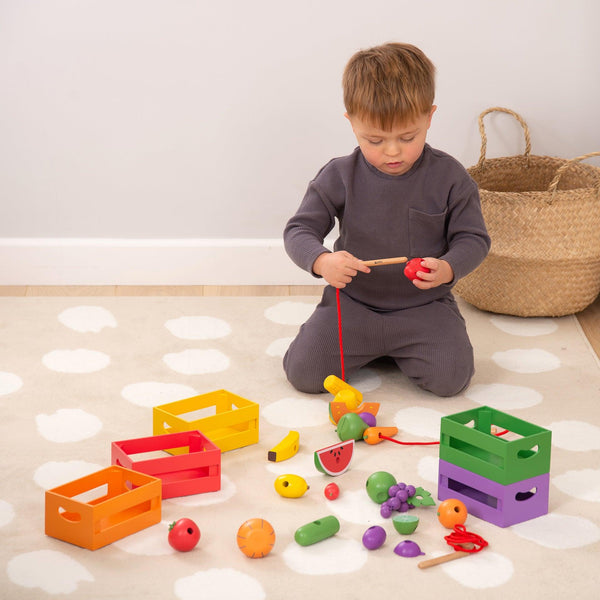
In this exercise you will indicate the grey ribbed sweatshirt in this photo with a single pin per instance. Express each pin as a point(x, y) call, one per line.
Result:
point(432, 210)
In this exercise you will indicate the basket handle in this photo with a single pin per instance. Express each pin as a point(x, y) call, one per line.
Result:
point(554, 183)
point(484, 137)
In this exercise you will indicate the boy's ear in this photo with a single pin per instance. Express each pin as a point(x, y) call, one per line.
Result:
point(349, 120)
point(433, 109)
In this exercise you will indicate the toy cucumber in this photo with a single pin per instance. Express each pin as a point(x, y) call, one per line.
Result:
point(317, 531)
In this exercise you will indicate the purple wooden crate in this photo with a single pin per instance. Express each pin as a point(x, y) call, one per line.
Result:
point(502, 505)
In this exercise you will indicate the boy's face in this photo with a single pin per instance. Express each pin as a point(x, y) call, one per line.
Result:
point(392, 152)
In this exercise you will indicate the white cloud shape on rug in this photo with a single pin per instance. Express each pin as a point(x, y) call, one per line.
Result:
point(9, 383)
point(198, 328)
point(332, 556)
point(365, 380)
point(428, 468)
point(153, 393)
point(279, 347)
point(76, 361)
point(560, 532)
point(296, 412)
point(302, 464)
point(86, 319)
point(197, 362)
point(152, 541)
point(577, 436)
point(355, 506)
point(227, 491)
point(479, 571)
point(583, 484)
point(68, 425)
point(7, 513)
point(53, 572)
point(527, 327)
point(504, 397)
point(289, 312)
point(534, 360)
point(52, 474)
point(218, 583)
point(420, 422)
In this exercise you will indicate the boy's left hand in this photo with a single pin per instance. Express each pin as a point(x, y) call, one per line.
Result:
point(440, 272)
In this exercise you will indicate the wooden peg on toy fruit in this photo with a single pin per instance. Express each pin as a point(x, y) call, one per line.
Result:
point(334, 385)
point(372, 435)
point(349, 398)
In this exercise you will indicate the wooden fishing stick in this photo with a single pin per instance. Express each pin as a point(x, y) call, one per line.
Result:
point(385, 261)
point(425, 564)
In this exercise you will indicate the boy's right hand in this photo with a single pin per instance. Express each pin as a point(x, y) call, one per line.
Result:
point(338, 268)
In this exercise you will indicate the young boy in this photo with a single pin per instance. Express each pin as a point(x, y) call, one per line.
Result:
point(393, 196)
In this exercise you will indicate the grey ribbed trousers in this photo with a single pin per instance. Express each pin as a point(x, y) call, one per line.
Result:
point(429, 344)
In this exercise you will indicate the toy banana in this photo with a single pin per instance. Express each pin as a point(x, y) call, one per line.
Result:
point(290, 486)
point(286, 448)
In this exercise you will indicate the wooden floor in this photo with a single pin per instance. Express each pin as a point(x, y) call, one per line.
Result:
point(589, 318)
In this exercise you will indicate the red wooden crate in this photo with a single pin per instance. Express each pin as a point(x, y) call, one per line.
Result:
point(197, 470)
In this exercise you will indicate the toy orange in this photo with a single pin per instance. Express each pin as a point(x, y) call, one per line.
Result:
point(452, 512)
point(338, 409)
point(256, 538)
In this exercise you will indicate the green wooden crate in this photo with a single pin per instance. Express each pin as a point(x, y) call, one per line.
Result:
point(467, 440)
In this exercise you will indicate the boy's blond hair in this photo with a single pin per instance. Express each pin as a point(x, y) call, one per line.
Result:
point(392, 84)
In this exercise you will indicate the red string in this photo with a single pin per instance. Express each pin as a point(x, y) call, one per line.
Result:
point(390, 439)
point(339, 317)
point(385, 437)
point(461, 536)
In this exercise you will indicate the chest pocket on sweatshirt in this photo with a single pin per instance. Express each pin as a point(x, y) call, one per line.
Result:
point(427, 233)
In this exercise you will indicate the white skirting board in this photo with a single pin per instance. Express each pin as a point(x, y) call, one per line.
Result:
point(103, 261)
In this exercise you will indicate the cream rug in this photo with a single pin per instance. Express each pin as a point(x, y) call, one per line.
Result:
point(79, 373)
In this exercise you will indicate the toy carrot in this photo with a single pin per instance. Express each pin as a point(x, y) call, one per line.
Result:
point(372, 435)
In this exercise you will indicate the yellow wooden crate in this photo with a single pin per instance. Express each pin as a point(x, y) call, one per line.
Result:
point(229, 421)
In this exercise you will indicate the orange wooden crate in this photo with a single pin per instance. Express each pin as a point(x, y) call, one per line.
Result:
point(128, 502)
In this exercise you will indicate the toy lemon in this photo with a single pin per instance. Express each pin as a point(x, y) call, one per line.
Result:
point(290, 486)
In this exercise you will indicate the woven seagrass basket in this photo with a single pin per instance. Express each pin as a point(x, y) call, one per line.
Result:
point(543, 216)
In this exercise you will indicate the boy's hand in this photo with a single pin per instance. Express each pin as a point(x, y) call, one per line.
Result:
point(440, 272)
point(338, 268)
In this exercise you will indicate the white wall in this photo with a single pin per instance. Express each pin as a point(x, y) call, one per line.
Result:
point(185, 121)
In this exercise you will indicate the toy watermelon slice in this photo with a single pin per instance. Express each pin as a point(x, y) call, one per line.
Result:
point(338, 409)
point(334, 460)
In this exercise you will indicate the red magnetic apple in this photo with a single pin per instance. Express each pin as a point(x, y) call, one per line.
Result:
point(183, 535)
point(413, 266)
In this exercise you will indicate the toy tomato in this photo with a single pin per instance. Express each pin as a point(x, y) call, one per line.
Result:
point(183, 535)
point(332, 491)
point(452, 512)
point(413, 266)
